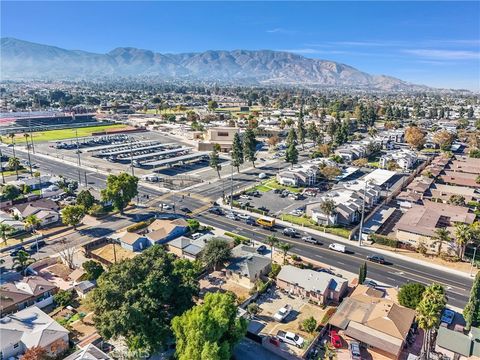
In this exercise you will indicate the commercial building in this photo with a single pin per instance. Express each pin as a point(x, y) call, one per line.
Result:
point(222, 136)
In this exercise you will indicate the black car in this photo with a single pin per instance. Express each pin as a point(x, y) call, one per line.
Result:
point(376, 258)
point(216, 211)
point(185, 210)
point(290, 232)
point(250, 221)
point(15, 251)
point(41, 243)
point(261, 249)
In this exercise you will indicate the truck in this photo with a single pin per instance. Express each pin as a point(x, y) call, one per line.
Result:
point(282, 313)
point(337, 247)
point(266, 223)
point(290, 338)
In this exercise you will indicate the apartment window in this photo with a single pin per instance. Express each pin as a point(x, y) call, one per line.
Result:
point(222, 133)
point(15, 345)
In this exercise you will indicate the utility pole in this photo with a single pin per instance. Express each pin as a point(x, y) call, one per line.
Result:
point(363, 215)
point(78, 157)
point(131, 158)
point(1, 166)
point(231, 191)
point(473, 259)
point(28, 152)
point(31, 136)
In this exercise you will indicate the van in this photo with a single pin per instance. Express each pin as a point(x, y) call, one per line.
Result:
point(196, 236)
point(267, 223)
point(337, 247)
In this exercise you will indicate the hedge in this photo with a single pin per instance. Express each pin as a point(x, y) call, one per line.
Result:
point(383, 240)
point(140, 225)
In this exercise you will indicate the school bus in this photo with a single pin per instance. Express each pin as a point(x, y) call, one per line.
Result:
point(267, 223)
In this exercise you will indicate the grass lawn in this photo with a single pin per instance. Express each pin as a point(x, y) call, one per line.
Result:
point(12, 172)
point(51, 135)
point(311, 224)
point(261, 188)
point(273, 184)
point(374, 164)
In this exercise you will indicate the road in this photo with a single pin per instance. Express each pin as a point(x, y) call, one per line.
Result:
point(199, 199)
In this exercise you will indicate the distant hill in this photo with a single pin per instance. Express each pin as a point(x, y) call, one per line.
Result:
point(25, 60)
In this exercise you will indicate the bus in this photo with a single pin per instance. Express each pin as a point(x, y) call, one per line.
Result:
point(266, 223)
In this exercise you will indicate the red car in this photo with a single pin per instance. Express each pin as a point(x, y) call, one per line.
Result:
point(335, 339)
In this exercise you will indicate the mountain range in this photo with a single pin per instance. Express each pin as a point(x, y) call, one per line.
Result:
point(23, 60)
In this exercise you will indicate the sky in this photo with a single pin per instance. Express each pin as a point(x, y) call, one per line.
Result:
point(432, 43)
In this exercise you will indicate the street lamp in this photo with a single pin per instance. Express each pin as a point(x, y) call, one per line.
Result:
point(473, 259)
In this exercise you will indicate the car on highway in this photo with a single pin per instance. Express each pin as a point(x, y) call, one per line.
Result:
point(337, 247)
point(261, 249)
point(262, 176)
point(290, 232)
point(447, 316)
point(216, 211)
point(376, 258)
point(231, 216)
point(16, 250)
point(185, 210)
point(165, 206)
point(250, 221)
point(243, 216)
point(310, 240)
point(40, 243)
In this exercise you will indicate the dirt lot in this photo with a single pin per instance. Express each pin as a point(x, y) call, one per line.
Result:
point(216, 281)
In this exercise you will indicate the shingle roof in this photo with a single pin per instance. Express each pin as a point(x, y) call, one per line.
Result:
point(89, 352)
point(247, 262)
point(310, 280)
point(454, 341)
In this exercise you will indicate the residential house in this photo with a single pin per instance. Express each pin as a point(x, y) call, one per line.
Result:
point(460, 179)
point(419, 223)
point(8, 219)
point(88, 352)
point(46, 211)
point(415, 191)
point(35, 183)
point(28, 328)
point(84, 287)
point(457, 345)
point(246, 266)
point(134, 242)
point(404, 159)
point(31, 290)
point(374, 318)
point(299, 175)
point(190, 249)
point(465, 164)
point(316, 286)
point(162, 231)
point(445, 192)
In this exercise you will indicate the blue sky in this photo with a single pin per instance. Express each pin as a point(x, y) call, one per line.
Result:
point(432, 43)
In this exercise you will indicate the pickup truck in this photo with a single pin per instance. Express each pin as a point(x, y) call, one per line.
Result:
point(282, 313)
point(290, 338)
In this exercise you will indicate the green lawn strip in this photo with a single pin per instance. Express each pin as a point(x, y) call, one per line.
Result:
point(310, 224)
point(262, 188)
point(12, 172)
point(60, 134)
point(273, 184)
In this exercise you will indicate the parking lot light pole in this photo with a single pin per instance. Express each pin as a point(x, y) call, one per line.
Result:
point(473, 259)
point(78, 157)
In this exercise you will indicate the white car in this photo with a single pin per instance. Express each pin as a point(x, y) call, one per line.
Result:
point(262, 176)
point(231, 216)
point(245, 197)
point(243, 216)
point(337, 247)
point(165, 207)
point(282, 313)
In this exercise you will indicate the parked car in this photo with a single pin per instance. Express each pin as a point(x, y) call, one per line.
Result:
point(15, 251)
point(282, 313)
point(40, 243)
point(165, 206)
point(243, 216)
point(196, 236)
point(337, 247)
point(335, 339)
point(325, 270)
point(231, 216)
point(355, 350)
point(448, 316)
point(291, 232)
point(376, 258)
point(185, 210)
point(261, 249)
point(311, 240)
point(370, 283)
point(290, 338)
point(245, 197)
point(262, 176)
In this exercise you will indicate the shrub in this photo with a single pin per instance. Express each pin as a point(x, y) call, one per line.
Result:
point(383, 240)
point(275, 270)
point(63, 297)
point(327, 316)
point(140, 225)
point(309, 324)
point(97, 210)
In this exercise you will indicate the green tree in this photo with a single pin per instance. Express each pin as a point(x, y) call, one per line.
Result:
point(328, 207)
point(85, 199)
point(237, 152)
point(442, 236)
point(93, 269)
point(429, 311)
point(10, 192)
point(212, 105)
point(291, 155)
point(209, 331)
point(301, 131)
point(330, 172)
point(272, 241)
point(309, 324)
point(274, 271)
point(313, 133)
point(362, 273)
point(215, 159)
point(471, 312)
point(250, 146)
point(215, 253)
point(463, 235)
point(137, 298)
point(458, 200)
point(14, 163)
point(291, 138)
point(285, 247)
point(63, 297)
point(410, 294)
point(72, 215)
point(31, 222)
point(253, 309)
point(5, 231)
point(193, 225)
point(22, 260)
point(120, 190)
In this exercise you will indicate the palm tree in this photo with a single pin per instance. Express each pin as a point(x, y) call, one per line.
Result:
point(31, 223)
point(14, 162)
point(5, 230)
point(12, 137)
point(442, 235)
point(22, 261)
point(464, 235)
point(28, 152)
point(272, 241)
point(285, 247)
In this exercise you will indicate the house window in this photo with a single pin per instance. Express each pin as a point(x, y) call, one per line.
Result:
point(15, 345)
point(222, 133)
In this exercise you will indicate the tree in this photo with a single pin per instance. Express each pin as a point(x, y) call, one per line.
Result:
point(328, 207)
point(458, 200)
point(285, 247)
point(209, 331)
point(274, 271)
point(301, 131)
point(330, 172)
point(35, 353)
point(360, 162)
point(429, 311)
point(291, 138)
point(63, 297)
point(193, 225)
point(415, 137)
point(120, 190)
point(215, 253)
point(309, 324)
point(410, 294)
point(250, 146)
point(14, 163)
point(324, 149)
point(273, 141)
point(272, 241)
point(72, 215)
point(253, 309)
point(93, 269)
point(22, 260)
point(291, 155)
point(215, 159)
point(463, 235)
point(10, 192)
point(212, 105)
point(85, 199)
point(5, 231)
point(31, 222)
point(362, 273)
point(237, 152)
point(442, 235)
point(137, 298)
point(313, 133)
point(471, 312)
point(443, 139)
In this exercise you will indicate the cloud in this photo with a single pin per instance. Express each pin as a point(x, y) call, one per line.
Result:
point(280, 31)
point(444, 54)
point(315, 51)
